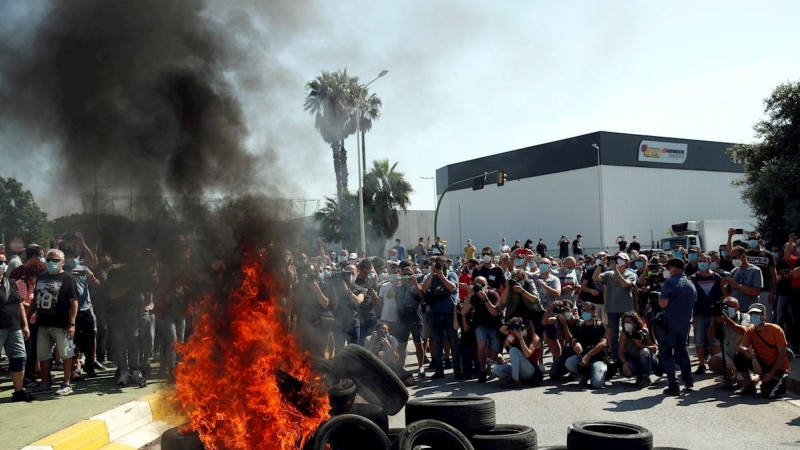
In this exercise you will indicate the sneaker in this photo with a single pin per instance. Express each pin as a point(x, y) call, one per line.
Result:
point(65, 389)
point(99, 366)
point(643, 382)
point(438, 374)
point(482, 377)
point(22, 396)
point(421, 372)
point(584, 380)
point(30, 384)
point(41, 389)
point(701, 369)
point(673, 391)
point(136, 377)
point(123, 379)
point(90, 373)
point(448, 364)
point(511, 384)
point(490, 375)
point(432, 365)
point(58, 366)
point(459, 375)
point(747, 390)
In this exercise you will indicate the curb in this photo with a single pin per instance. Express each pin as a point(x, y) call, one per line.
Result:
point(129, 426)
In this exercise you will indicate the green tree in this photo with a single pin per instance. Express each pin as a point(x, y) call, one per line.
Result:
point(330, 99)
point(339, 224)
point(370, 112)
point(386, 192)
point(771, 180)
point(20, 216)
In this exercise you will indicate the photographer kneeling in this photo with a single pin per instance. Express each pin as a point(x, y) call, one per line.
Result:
point(384, 346)
point(589, 344)
point(561, 315)
point(637, 352)
point(525, 347)
point(736, 325)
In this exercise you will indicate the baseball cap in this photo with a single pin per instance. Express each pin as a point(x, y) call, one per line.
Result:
point(676, 263)
point(353, 256)
point(757, 307)
point(623, 256)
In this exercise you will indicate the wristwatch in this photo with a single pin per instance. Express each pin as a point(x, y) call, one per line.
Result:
point(71, 324)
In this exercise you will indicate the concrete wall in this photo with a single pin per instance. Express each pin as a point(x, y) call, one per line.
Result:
point(413, 224)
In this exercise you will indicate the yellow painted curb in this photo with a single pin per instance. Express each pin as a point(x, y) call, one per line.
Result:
point(162, 410)
point(117, 446)
point(84, 435)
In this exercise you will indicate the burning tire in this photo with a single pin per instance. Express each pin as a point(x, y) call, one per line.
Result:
point(322, 366)
point(372, 412)
point(604, 435)
point(347, 432)
point(506, 437)
point(470, 415)
point(172, 439)
point(432, 433)
point(376, 382)
point(341, 396)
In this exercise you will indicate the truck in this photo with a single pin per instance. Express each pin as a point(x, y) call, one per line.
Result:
point(704, 234)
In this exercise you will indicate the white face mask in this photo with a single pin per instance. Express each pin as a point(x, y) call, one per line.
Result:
point(621, 262)
point(598, 261)
point(666, 274)
point(568, 315)
point(3, 268)
point(628, 327)
point(737, 262)
point(487, 259)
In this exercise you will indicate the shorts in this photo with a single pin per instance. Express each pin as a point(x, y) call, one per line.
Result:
point(701, 326)
point(426, 330)
point(483, 334)
point(49, 336)
point(405, 327)
point(13, 342)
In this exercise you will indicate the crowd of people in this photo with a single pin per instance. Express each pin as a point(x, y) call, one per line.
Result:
point(483, 314)
point(495, 314)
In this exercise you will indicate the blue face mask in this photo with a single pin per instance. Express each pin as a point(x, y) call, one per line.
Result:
point(586, 315)
point(713, 266)
point(776, 255)
point(393, 276)
point(517, 262)
point(393, 258)
point(52, 267)
point(753, 243)
point(702, 265)
point(543, 268)
point(678, 255)
point(569, 271)
point(692, 257)
point(41, 259)
point(724, 253)
point(755, 319)
point(639, 264)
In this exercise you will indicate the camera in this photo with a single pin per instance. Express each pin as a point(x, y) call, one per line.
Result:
point(513, 282)
point(639, 335)
point(438, 266)
point(459, 306)
point(718, 309)
point(515, 325)
point(476, 288)
point(380, 335)
point(558, 309)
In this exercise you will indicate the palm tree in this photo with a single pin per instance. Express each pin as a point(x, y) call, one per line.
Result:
point(385, 192)
point(330, 99)
point(338, 222)
point(370, 111)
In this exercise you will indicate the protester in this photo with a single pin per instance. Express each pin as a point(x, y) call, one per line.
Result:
point(524, 348)
point(677, 300)
point(589, 347)
point(14, 332)
point(762, 351)
point(637, 353)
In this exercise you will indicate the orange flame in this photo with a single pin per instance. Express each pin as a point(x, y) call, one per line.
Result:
point(228, 381)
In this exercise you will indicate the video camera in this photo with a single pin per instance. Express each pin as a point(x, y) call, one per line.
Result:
point(515, 324)
point(559, 309)
point(718, 309)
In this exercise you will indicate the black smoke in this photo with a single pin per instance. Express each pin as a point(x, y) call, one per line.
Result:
point(137, 91)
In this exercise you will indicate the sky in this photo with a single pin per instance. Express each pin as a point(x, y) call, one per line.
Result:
point(468, 79)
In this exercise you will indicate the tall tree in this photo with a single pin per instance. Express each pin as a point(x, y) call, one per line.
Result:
point(386, 191)
point(771, 179)
point(370, 111)
point(20, 216)
point(329, 98)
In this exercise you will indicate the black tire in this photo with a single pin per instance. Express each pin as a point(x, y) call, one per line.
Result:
point(393, 433)
point(553, 447)
point(322, 366)
point(173, 440)
point(377, 383)
point(347, 432)
point(372, 412)
point(506, 437)
point(469, 415)
point(341, 396)
point(669, 448)
point(606, 435)
point(432, 433)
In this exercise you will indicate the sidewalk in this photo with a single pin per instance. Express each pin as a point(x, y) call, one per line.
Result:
point(793, 384)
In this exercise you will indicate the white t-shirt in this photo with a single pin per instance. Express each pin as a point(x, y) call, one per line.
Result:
point(389, 310)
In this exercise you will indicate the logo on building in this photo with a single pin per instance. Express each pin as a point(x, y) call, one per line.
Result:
point(662, 152)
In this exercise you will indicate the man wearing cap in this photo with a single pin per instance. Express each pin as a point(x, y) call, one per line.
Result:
point(619, 284)
point(577, 247)
point(745, 280)
point(758, 256)
point(692, 256)
point(677, 300)
point(763, 350)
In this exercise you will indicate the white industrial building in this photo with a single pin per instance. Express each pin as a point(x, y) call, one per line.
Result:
point(600, 185)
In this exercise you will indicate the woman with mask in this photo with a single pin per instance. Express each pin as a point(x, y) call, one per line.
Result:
point(524, 349)
point(637, 353)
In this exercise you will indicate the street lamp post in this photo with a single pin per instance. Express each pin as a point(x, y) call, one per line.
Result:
point(600, 197)
point(435, 198)
point(359, 99)
point(460, 240)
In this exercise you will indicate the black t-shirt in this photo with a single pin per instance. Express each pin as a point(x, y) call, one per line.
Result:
point(563, 247)
point(726, 264)
point(495, 276)
point(691, 270)
point(481, 314)
point(9, 309)
point(590, 335)
point(577, 247)
point(585, 295)
point(366, 309)
point(784, 284)
point(635, 245)
point(764, 261)
point(541, 249)
point(623, 244)
point(307, 306)
point(52, 297)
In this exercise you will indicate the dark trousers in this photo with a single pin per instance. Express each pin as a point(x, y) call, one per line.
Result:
point(775, 387)
point(441, 327)
point(85, 335)
point(794, 304)
point(30, 349)
point(468, 351)
point(559, 368)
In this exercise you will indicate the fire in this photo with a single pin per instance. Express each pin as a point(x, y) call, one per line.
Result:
point(243, 382)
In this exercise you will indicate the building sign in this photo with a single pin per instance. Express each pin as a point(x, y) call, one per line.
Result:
point(662, 152)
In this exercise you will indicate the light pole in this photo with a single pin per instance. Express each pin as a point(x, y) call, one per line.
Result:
point(600, 197)
point(435, 198)
point(359, 99)
point(460, 240)
point(652, 241)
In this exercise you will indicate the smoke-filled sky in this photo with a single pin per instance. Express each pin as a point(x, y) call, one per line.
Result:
point(465, 79)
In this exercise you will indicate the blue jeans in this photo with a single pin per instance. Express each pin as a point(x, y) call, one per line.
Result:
point(441, 328)
point(613, 324)
point(784, 315)
point(559, 369)
point(673, 346)
point(597, 371)
point(173, 329)
point(520, 368)
point(642, 365)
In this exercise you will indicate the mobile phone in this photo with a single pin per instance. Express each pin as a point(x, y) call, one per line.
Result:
point(738, 231)
point(68, 237)
point(79, 273)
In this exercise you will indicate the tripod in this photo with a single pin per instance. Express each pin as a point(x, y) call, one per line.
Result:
point(721, 333)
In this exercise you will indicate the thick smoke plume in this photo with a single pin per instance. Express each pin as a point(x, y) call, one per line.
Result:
point(136, 90)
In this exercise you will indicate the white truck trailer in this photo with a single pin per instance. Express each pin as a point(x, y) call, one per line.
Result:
point(705, 234)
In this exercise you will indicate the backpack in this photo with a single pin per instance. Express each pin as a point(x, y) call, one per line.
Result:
point(407, 301)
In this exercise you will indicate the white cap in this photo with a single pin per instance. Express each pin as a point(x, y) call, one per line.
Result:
point(353, 256)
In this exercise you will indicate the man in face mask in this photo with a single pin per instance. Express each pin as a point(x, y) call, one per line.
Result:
point(745, 281)
point(469, 250)
point(709, 291)
point(346, 299)
point(725, 262)
point(309, 312)
point(57, 309)
point(406, 292)
point(577, 247)
point(619, 284)
point(677, 299)
point(568, 277)
point(33, 253)
point(589, 346)
point(14, 332)
point(367, 279)
point(691, 258)
point(85, 323)
point(495, 275)
point(758, 256)
point(401, 251)
point(735, 324)
point(763, 351)
point(420, 252)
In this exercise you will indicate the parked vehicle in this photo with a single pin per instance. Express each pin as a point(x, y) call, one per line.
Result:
point(704, 234)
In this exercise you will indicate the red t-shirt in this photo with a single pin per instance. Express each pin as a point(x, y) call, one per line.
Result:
point(792, 265)
point(465, 278)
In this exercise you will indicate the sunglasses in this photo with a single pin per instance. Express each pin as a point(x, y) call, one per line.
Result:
point(52, 260)
point(628, 314)
point(3, 263)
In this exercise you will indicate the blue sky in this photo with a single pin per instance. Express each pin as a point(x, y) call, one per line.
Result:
point(468, 79)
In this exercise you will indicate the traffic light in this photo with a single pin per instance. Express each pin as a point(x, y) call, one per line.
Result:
point(478, 182)
point(502, 177)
